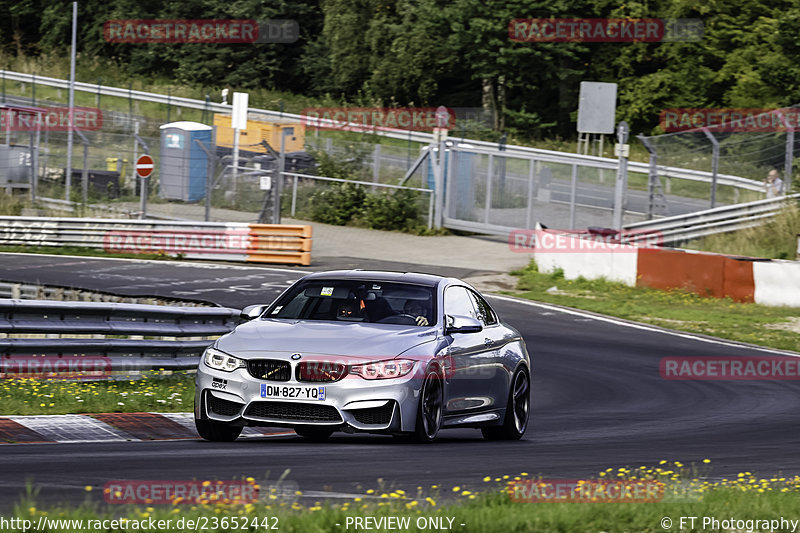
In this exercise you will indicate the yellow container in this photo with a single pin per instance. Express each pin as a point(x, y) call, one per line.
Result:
point(117, 164)
point(258, 130)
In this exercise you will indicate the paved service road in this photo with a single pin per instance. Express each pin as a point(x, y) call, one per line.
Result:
point(598, 402)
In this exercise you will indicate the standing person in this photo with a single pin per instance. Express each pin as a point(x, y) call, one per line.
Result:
point(773, 184)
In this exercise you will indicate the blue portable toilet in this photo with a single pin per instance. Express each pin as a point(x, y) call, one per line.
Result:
point(183, 163)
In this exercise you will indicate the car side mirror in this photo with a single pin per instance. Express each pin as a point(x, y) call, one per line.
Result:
point(461, 324)
point(252, 311)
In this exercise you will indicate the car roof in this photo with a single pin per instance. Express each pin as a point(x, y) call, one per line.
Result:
point(379, 275)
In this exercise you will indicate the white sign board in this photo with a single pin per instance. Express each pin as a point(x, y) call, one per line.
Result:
point(265, 183)
point(597, 105)
point(239, 116)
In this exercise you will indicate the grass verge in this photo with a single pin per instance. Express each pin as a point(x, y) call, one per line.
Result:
point(488, 508)
point(153, 392)
point(775, 327)
point(88, 252)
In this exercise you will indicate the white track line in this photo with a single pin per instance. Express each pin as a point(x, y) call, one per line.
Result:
point(197, 264)
point(644, 327)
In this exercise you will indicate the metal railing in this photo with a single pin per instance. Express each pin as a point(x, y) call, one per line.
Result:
point(62, 330)
point(410, 136)
point(681, 228)
point(232, 241)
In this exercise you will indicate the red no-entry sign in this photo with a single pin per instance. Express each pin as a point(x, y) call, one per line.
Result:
point(144, 166)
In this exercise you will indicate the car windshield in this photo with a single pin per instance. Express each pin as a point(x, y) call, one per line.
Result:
point(357, 301)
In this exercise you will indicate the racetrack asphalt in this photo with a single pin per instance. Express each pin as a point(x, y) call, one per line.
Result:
point(598, 402)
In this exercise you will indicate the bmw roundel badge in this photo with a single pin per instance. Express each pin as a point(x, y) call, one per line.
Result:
point(296, 356)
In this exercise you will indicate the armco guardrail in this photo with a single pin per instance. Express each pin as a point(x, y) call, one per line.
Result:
point(63, 324)
point(233, 241)
point(404, 135)
point(709, 222)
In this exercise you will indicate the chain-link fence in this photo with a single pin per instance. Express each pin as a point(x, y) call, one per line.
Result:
point(486, 186)
point(747, 146)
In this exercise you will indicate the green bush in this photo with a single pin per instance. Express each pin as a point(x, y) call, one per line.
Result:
point(393, 210)
point(338, 204)
point(10, 205)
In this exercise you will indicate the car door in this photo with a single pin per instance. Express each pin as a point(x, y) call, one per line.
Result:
point(495, 337)
point(466, 387)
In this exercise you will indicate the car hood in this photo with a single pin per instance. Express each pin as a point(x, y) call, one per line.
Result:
point(324, 338)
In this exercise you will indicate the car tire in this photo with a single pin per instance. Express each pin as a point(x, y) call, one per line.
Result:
point(314, 434)
point(430, 409)
point(217, 431)
point(517, 410)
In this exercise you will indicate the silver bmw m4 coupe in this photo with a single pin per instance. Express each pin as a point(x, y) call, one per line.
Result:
point(377, 352)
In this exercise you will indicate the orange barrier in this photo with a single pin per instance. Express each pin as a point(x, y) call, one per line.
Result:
point(706, 274)
point(279, 243)
point(674, 269)
point(739, 283)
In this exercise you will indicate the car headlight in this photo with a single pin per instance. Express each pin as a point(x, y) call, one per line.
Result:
point(393, 368)
point(221, 361)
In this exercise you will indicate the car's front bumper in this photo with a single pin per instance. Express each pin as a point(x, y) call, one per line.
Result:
point(352, 403)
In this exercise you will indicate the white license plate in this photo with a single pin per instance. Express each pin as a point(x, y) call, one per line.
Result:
point(291, 392)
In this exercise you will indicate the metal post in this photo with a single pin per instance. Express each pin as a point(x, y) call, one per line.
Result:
point(489, 174)
point(235, 169)
point(85, 169)
point(448, 178)
point(441, 185)
point(430, 210)
point(376, 167)
point(142, 197)
point(622, 175)
point(35, 158)
point(130, 102)
point(68, 181)
point(85, 173)
point(144, 181)
point(529, 210)
point(169, 101)
point(714, 165)
point(211, 154)
point(33, 89)
point(573, 194)
point(408, 157)
point(294, 195)
point(788, 161)
point(652, 175)
point(277, 187)
point(135, 155)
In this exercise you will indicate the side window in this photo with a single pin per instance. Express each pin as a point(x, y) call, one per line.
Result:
point(485, 313)
point(457, 301)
